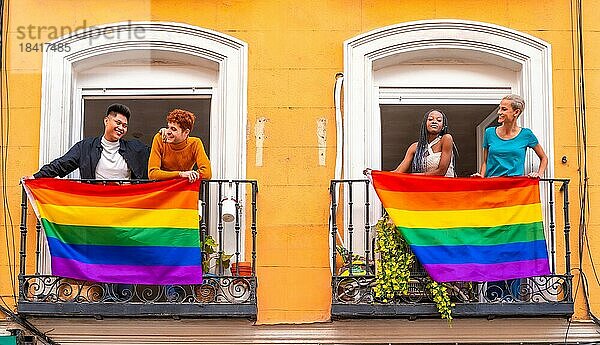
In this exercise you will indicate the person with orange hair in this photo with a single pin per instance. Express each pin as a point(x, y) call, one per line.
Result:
point(178, 153)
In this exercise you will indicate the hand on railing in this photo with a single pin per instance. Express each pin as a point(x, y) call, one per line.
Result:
point(190, 175)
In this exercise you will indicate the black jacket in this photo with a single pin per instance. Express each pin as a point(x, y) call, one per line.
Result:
point(86, 154)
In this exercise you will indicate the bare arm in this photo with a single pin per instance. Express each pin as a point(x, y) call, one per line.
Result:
point(447, 143)
point(543, 161)
point(482, 170)
point(404, 166)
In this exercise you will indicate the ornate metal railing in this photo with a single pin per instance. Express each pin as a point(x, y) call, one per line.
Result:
point(352, 231)
point(228, 213)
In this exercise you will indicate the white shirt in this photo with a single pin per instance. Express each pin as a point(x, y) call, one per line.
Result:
point(112, 165)
point(432, 161)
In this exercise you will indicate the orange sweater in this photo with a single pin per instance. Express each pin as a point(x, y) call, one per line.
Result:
point(167, 160)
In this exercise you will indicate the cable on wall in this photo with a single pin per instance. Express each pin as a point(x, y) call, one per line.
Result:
point(4, 142)
point(580, 107)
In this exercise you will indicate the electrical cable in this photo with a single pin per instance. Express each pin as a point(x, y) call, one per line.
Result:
point(4, 141)
point(337, 101)
point(584, 187)
point(337, 89)
point(27, 325)
point(581, 124)
point(3, 155)
point(576, 289)
point(8, 117)
point(579, 110)
point(9, 235)
point(584, 283)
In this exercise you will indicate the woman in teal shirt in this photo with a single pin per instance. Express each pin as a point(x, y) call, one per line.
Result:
point(504, 149)
point(504, 146)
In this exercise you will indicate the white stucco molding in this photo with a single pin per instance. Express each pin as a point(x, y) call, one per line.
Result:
point(97, 45)
point(528, 55)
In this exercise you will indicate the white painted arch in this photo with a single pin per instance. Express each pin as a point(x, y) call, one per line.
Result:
point(439, 39)
point(94, 46)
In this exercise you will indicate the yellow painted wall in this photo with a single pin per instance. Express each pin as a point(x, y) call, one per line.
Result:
point(295, 50)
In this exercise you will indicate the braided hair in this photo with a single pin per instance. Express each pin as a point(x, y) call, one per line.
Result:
point(419, 160)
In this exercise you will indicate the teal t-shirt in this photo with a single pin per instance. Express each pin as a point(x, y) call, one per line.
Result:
point(506, 157)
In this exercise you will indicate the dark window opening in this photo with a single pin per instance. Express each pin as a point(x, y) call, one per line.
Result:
point(147, 116)
point(400, 126)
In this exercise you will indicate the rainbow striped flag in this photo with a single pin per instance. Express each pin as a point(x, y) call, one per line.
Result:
point(468, 229)
point(143, 233)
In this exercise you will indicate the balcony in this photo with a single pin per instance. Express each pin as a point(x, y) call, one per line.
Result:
point(352, 220)
point(225, 291)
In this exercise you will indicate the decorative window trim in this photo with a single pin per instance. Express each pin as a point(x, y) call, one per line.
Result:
point(502, 45)
point(94, 45)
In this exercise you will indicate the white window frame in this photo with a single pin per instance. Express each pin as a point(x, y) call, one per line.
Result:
point(94, 45)
point(61, 109)
point(439, 39)
point(502, 45)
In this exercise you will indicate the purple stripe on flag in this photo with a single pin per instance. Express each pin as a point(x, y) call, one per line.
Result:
point(148, 275)
point(488, 272)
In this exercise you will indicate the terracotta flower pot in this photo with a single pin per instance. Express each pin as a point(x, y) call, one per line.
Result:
point(244, 269)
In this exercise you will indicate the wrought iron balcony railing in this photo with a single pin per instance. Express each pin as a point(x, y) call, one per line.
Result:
point(228, 288)
point(351, 223)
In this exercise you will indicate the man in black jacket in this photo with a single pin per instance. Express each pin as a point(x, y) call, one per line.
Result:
point(108, 157)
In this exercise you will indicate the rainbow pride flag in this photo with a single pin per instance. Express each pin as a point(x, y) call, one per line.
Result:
point(134, 233)
point(468, 229)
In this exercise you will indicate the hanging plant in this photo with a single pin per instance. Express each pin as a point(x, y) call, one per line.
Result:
point(393, 269)
point(395, 260)
point(439, 294)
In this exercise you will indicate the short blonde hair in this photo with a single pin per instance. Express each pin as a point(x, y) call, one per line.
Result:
point(516, 102)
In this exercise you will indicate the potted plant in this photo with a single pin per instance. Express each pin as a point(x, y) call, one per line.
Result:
point(356, 264)
point(211, 258)
point(207, 291)
point(241, 268)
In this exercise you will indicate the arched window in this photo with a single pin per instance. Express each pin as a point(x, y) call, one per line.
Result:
point(162, 53)
point(440, 61)
point(394, 74)
point(152, 67)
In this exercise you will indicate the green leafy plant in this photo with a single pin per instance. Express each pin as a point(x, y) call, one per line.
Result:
point(439, 293)
point(210, 255)
point(393, 269)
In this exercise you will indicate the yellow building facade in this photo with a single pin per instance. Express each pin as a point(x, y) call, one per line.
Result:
point(270, 68)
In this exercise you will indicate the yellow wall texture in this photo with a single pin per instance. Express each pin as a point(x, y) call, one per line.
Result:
point(295, 50)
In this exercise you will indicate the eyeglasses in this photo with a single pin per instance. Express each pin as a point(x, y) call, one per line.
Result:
point(119, 122)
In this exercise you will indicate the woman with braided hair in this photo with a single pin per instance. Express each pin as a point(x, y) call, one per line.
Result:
point(434, 153)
